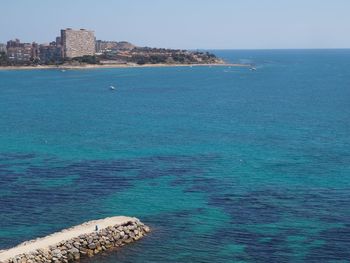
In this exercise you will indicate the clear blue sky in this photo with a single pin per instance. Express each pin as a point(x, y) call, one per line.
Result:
point(221, 24)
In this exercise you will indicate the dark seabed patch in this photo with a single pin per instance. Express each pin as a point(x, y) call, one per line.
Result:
point(45, 187)
point(257, 228)
point(273, 216)
point(336, 243)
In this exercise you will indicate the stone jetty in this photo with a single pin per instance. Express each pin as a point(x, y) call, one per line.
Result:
point(85, 240)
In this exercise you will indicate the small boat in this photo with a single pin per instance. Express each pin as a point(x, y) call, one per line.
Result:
point(252, 69)
point(111, 87)
point(63, 70)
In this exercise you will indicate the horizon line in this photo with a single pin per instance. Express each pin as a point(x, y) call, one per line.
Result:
point(262, 49)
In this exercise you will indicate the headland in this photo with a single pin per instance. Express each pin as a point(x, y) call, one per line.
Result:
point(79, 49)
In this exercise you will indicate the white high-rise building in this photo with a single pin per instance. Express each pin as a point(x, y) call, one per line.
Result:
point(77, 43)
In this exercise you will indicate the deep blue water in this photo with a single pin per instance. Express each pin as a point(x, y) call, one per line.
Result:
point(225, 164)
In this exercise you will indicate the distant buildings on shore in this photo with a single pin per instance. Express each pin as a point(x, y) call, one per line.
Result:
point(76, 47)
point(71, 44)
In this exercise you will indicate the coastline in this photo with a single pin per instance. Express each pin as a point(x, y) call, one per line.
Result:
point(109, 66)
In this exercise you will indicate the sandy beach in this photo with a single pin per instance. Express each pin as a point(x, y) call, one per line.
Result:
point(106, 66)
point(53, 239)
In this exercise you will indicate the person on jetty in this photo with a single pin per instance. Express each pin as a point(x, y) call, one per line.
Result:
point(96, 228)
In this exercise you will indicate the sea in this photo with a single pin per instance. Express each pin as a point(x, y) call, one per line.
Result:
point(225, 164)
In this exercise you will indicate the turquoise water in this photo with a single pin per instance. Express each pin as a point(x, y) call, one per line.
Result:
point(225, 164)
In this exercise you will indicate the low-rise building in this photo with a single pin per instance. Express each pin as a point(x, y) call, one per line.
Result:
point(19, 52)
point(106, 46)
point(102, 46)
point(50, 53)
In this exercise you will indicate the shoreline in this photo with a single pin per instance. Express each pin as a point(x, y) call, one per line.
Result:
point(110, 66)
point(61, 240)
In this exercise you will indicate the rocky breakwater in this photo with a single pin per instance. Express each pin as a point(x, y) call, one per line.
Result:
point(71, 244)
